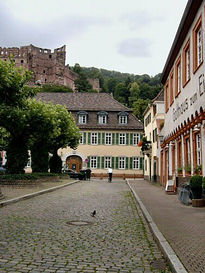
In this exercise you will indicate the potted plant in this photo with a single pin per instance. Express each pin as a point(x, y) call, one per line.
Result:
point(187, 169)
point(197, 169)
point(179, 170)
point(196, 186)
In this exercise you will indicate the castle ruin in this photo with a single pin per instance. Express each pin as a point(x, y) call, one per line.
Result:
point(47, 67)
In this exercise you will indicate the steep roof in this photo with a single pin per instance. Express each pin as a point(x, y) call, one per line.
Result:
point(84, 101)
point(93, 103)
point(159, 97)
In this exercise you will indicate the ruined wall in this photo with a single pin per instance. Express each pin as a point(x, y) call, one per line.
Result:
point(47, 67)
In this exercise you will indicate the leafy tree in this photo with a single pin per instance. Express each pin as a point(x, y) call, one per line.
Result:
point(120, 90)
point(134, 93)
point(139, 107)
point(56, 129)
point(13, 103)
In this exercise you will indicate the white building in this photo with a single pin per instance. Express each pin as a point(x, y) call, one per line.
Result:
point(153, 121)
point(183, 148)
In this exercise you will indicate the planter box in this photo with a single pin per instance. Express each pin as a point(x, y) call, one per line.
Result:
point(198, 203)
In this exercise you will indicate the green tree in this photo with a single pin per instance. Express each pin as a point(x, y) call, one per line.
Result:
point(120, 91)
point(139, 107)
point(13, 103)
point(134, 93)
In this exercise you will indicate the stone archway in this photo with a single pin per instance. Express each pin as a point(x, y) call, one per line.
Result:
point(74, 162)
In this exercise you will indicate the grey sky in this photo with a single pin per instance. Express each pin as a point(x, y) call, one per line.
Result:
point(132, 36)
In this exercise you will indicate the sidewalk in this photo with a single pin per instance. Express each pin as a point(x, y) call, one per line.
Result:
point(182, 226)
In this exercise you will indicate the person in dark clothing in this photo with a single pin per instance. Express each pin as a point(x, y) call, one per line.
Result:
point(88, 174)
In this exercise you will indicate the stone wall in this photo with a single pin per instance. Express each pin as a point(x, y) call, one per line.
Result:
point(47, 67)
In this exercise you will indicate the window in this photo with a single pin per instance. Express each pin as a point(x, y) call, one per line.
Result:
point(198, 149)
point(136, 138)
point(108, 138)
point(102, 119)
point(167, 97)
point(50, 56)
point(122, 138)
point(148, 120)
point(186, 63)
point(22, 61)
point(171, 88)
point(93, 162)
point(197, 45)
point(136, 163)
point(108, 162)
point(123, 117)
point(94, 138)
point(82, 119)
point(178, 77)
point(122, 162)
point(154, 135)
point(83, 138)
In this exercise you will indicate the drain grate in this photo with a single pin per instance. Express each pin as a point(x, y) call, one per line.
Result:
point(79, 223)
point(158, 264)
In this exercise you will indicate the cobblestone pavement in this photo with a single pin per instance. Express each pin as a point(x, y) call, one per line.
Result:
point(36, 235)
point(183, 226)
point(13, 191)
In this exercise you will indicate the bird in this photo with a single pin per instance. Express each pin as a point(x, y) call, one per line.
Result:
point(93, 213)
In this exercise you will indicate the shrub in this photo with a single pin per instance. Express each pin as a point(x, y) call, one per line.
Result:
point(203, 182)
point(196, 186)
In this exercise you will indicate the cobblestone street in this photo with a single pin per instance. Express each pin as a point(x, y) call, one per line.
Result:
point(38, 235)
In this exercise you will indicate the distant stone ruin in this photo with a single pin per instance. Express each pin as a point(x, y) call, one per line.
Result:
point(47, 67)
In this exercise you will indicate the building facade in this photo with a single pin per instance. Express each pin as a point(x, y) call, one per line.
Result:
point(47, 67)
point(110, 134)
point(153, 122)
point(183, 146)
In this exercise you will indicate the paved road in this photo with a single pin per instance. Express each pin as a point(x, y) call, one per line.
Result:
point(183, 226)
point(36, 235)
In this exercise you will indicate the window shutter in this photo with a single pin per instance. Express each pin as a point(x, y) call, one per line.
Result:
point(131, 139)
point(99, 138)
point(103, 138)
point(103, 162)
point(127, 139)
point(131, 167)
point(98, 162)
point(126, 163)
point(117, 138)
point(116, 163)
point(84, 138)
point(141, 135)
point(89, 138)
point(88, 164)
point(113, 165)
point(113, 139)
point(141, 163)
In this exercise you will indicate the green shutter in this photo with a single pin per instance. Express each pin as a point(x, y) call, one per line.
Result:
point(131, 139)
point(127, 139)
point(103, 138)
point(116, 162)
point(98, 162)
point(117, 138)
point(113, 139)
point(88, 164)
point(131, 160)
point(103, 162)
point(89, 138)
point(113, 161)
point(84, 138)
point(126, 167)
point(99, 138)
point(141, 135)
point(141, 163)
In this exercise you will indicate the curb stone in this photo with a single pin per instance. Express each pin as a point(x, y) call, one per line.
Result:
point(175, 263)
point(27, 196)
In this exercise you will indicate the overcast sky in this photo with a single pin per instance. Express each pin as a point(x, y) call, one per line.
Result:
point(132, 36)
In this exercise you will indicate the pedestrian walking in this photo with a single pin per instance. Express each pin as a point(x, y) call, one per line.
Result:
point(110, 175)
point(88, 174)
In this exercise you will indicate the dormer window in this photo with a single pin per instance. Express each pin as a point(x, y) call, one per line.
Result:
point(102, 117)
point(82, 117)
point(123, 118)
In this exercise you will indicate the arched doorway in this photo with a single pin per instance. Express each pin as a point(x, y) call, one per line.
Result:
point(74, 162)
